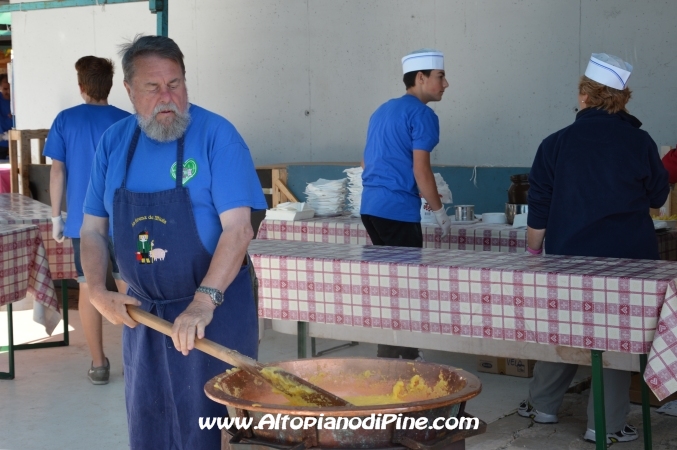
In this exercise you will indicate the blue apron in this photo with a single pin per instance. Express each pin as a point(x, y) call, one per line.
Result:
point(162, 258)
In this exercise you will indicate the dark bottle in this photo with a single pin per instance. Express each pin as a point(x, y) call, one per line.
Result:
point(517, 194)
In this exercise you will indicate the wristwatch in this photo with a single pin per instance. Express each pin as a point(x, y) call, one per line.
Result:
point(214, 294)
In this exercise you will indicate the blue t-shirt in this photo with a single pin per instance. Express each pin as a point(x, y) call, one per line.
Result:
point(218, 170)
point(396, 128)
point(72, 140)
point(6, 119)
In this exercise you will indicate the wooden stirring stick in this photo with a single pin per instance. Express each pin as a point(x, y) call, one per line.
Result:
point(289, 384)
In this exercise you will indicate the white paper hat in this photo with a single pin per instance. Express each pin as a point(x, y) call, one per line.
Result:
point(608, 70)
point(423, 59)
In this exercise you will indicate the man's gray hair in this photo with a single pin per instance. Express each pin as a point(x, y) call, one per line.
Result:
point(160, 46)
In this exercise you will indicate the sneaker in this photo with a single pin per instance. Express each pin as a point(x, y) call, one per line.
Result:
point(627, 434)
point(420, 356)
point(527, 410)
point(99, 375)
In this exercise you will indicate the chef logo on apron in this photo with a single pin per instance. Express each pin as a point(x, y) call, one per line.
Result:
point(146, 253)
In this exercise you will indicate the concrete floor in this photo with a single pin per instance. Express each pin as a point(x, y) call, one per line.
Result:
point(51, 404)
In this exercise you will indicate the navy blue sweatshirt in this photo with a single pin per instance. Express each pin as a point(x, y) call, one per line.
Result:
point(591, 186)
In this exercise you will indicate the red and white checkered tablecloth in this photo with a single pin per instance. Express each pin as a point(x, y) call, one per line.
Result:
point(608, 304)
point(19, 209)
point(475, 237)
point(349, 230)
point(24, 272)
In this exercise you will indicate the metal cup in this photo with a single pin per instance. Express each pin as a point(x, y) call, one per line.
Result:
point(465, 213)
point(512, 209)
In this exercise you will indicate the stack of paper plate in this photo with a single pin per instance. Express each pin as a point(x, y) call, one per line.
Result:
point(327, 197)
point(354, 190)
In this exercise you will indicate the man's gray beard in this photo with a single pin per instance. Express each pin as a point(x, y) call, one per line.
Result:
point(165, 133)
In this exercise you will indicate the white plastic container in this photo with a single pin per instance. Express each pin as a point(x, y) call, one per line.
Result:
point(494, 218)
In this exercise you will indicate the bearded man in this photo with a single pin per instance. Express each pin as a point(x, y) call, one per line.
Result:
point(184, 176)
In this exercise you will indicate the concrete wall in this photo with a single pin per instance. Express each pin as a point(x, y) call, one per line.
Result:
point(46, 45)
point(300, 78)
point(485, 187)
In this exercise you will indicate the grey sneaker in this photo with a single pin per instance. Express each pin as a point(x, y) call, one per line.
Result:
point(99, 375)
point(526, 409)
point(627, 434)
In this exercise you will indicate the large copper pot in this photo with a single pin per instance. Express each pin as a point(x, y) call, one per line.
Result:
point(246, 396)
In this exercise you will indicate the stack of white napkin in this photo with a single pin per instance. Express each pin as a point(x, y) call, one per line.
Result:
point(327, 197)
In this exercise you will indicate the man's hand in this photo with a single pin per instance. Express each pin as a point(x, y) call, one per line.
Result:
point(443, 220)
point(57, 229)
point(113, 306)
point(192, 322)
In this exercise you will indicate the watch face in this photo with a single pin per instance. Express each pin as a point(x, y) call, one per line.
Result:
point(214, 294)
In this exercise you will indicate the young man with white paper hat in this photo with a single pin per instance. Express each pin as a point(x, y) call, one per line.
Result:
point(607, 170)
point(402, 133)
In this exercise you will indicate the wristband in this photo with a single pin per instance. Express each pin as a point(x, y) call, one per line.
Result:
point(535, 252)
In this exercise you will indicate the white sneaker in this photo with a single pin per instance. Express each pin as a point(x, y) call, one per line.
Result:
point(527, 410)
point(627, 434)
point(420, 356)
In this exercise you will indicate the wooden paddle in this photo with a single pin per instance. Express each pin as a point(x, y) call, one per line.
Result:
point(289, 384)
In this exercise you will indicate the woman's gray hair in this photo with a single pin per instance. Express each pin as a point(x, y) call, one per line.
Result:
point(160, 46)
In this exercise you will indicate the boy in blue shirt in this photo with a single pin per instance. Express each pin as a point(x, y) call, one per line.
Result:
point(402, 133)
point(6, 118)
point(71, 144)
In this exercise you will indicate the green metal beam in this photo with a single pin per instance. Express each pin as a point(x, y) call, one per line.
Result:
point(34, 6)
point(161, 8)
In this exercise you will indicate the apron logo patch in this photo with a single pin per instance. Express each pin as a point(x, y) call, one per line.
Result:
point(146, 253)
point(189, 170)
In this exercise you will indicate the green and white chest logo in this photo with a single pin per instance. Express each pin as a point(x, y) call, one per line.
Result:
point(189, 170)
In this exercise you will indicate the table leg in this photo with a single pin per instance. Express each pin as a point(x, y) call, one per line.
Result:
point(598, 392)
point(10, 348)
point(64, 314)
point(302, 339)
point(332, 349)
point(646, 409)
point(64, 296)
point(10, 334)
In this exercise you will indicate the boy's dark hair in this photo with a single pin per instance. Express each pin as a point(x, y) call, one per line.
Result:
point(95, 76)
point(3, 77)
point(409, 78)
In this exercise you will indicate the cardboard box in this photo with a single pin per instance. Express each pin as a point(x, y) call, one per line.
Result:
point(515, 367)
point(636, 393)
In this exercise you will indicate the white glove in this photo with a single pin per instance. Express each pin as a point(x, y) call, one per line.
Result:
point(443, 220)
point(5, 136)
point(57, 229)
